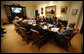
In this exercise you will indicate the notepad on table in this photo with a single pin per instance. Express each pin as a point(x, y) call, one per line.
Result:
point(45, 27)
point(54, 29)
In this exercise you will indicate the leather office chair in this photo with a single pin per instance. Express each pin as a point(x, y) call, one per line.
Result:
point(25, 35)
point(16, 27)
point(37, 38)
point(66, 41)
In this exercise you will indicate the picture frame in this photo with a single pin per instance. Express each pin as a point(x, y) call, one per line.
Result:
point(41, 10)
point(74, 11)
point(63, 10)
point(50, 10)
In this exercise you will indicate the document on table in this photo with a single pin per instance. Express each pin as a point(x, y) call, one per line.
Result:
point(45, 27)
point(43, 23)
point(50, 25)
point(34, 24)
point(54, 29)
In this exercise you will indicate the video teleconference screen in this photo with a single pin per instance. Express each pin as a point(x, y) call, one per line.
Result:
point(16, 9)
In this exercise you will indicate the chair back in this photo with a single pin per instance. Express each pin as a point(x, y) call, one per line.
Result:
point(73, 33)
point(24, 32)
point(16, 25)
point(35, 34)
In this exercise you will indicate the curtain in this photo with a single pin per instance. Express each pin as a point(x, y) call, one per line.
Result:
point(8, 11)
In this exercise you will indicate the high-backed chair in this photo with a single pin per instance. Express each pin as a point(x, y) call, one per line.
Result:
point(26, 35)
point(37, 38)
point(17, 27)
point(66, 41)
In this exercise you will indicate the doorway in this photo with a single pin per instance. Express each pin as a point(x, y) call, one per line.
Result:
point(36, 13)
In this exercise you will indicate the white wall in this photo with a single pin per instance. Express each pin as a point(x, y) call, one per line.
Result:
point(80, 20)
point(28, 5)
point(70, 4)
point(31, 6)
point(58, 7)
point(3, 12)
point(75, 5)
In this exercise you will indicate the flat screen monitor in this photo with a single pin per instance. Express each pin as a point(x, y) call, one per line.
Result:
point(16, 9)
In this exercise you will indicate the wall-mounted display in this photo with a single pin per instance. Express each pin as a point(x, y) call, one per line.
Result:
point(50, 10)
point(63, 10)
point(74, 11)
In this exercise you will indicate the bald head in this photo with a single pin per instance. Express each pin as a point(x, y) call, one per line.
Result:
point(20, 19)
point(16, 18)
point(25, 21)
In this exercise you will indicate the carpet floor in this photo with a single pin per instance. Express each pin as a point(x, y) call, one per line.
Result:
point(12, 42)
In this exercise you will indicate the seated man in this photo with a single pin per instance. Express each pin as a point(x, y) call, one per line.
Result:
point(68, 31)
point(51, 20)
point(16, 19)
point(58, 23)
point(38, 28)
point(47, 20)
point(26, 25)
point(44, 20)
point(54, 19)
point(37, 20)
point(20, 21)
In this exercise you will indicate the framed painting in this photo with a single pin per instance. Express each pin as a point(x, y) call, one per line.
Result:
point(41, 10)
point(63, 10)
point(74, 11)
point(50, 10)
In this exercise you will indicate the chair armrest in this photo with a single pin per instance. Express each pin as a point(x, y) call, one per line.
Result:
point(41, 36)
point(43, 39)
point(28, 32)
point(67, 37)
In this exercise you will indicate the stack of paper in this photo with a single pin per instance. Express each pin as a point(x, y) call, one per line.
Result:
point(50, 25)
point(45, 27)
point(54, 29)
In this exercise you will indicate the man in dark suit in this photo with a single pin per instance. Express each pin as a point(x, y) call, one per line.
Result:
point(68, 31)
point(41, 31)
point(26, 25)
point(38, 20)
point(44, 20)
point(20, 21)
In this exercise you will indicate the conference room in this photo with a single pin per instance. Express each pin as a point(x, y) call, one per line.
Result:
point(41, 26)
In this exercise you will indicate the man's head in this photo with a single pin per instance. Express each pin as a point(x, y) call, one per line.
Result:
point(58, 20)
point(71, 25)
point(25, 21)
point(20, 19)
point(16, 18)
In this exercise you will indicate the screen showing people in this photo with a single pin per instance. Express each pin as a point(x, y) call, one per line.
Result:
point(16, 9)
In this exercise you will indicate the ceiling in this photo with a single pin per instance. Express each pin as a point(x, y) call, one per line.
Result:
point(34, 3)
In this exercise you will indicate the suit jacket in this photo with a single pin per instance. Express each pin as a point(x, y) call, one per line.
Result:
point(66, 33)
point(20, 23)
point(58, 24)
point(44, 20)
point(38, 28)
point(27, 26)
point(24, 25)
